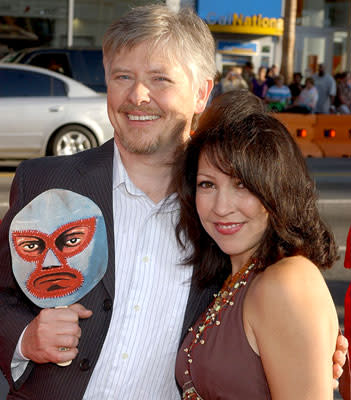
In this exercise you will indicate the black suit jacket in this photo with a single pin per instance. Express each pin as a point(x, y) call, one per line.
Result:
point(90, 174)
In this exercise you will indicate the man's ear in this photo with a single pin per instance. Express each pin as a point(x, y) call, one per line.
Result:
point(202, 95)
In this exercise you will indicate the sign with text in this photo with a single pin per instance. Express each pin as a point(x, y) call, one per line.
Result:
point(252, 17)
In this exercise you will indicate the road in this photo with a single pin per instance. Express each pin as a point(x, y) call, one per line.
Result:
point(333, 181)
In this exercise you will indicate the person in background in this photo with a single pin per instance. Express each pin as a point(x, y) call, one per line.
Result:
point(343, 94)
point(259, 84)
point(233, 80)
point(249, 209)
point(326, 88)
point(296, 86)
point(217, 88)
point(278, 96)
point(306, 101)
point(272, 73)
point(248, 74)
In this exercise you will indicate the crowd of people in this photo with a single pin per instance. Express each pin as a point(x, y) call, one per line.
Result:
point(319, 93)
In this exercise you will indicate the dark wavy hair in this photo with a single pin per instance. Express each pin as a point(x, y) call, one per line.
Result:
point(240, 139)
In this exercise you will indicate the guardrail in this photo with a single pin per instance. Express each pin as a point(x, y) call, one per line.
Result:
point(319, 135)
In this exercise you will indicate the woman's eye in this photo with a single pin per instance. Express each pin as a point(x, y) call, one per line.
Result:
point(238, 184)
point(205, 184)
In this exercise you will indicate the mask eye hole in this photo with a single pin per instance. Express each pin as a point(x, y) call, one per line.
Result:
point(28, 247)
point(73, 240)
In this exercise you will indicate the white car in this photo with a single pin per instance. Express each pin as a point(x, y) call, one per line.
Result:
point(47, 113)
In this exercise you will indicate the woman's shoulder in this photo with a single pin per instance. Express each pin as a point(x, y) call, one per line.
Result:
point(291, 289)
point(290, 278)
point(288, 269)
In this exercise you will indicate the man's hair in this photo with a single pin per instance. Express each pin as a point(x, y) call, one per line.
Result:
point(242, 140)
point(183, 36)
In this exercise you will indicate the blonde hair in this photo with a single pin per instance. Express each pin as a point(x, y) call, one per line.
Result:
point(182, 35)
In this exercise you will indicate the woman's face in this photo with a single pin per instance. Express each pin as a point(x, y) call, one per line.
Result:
point(234, 218)
point(262, 74)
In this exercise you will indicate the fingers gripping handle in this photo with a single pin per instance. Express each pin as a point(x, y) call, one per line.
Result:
point(68, 362)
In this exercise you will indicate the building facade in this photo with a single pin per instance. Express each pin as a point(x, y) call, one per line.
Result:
point(241, 34)
point(323, 29)
point(243, 31)
point(248, 31)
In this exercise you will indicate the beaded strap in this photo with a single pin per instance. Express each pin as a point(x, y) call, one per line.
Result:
point(223, 300)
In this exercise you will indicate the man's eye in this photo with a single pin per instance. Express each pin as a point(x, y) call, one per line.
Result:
point(122, 77)
point(162, 79)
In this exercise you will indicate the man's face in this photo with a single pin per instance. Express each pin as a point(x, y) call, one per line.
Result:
point(151, 101)
point(321, 70)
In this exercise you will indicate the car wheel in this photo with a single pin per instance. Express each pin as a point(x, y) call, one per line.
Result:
point(72, 139)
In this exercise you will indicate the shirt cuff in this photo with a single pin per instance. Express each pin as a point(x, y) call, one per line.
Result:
point(19, 362)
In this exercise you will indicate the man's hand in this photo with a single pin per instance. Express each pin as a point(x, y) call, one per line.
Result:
point(52, 330)
point(339, 358)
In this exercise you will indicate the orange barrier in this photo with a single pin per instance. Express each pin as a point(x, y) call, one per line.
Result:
point(302, 129)
point(333, 135)
point(319, 135)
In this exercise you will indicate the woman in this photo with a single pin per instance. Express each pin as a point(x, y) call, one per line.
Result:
point(270, 332)
point(306, 101)
point(259, 84)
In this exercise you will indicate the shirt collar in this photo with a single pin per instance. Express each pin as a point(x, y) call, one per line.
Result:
point(121, 179)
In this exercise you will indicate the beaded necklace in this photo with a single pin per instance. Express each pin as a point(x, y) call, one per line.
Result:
point(223, 300)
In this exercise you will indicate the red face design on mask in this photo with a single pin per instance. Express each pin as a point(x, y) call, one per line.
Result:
point(53, 277)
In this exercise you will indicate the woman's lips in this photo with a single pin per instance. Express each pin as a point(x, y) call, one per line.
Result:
point(228, 228)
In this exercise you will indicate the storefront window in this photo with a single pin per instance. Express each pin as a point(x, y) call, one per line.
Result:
point(91, 18)
point(339, 52)
point(313, 54)
point(324, 13)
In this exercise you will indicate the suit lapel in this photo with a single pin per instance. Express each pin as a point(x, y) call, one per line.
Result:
point(97, 175)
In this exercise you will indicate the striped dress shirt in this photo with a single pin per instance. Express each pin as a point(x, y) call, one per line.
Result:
point(152, 287)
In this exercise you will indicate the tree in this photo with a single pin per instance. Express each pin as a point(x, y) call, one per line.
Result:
point(287, 65)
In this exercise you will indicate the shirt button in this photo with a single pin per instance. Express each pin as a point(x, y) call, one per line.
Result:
point(124, 356)
point(107, 305)
point(84, 365)
point(145, 259)
point(136, 307)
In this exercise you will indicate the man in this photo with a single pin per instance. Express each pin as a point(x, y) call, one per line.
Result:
point(124, 334)
point(326, 87)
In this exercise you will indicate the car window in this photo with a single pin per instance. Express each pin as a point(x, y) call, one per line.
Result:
point(92, 67)
point(57, 62)
point(11, 57)
point(20, 83)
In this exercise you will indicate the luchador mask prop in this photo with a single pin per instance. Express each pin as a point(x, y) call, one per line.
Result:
point(58, 246)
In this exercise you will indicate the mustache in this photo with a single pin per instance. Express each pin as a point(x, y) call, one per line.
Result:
point(129, 108)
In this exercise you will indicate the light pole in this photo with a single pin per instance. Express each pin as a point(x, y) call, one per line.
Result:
point(70, 23)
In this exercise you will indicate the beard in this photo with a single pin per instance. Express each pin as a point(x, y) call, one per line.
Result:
point(144, 143)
